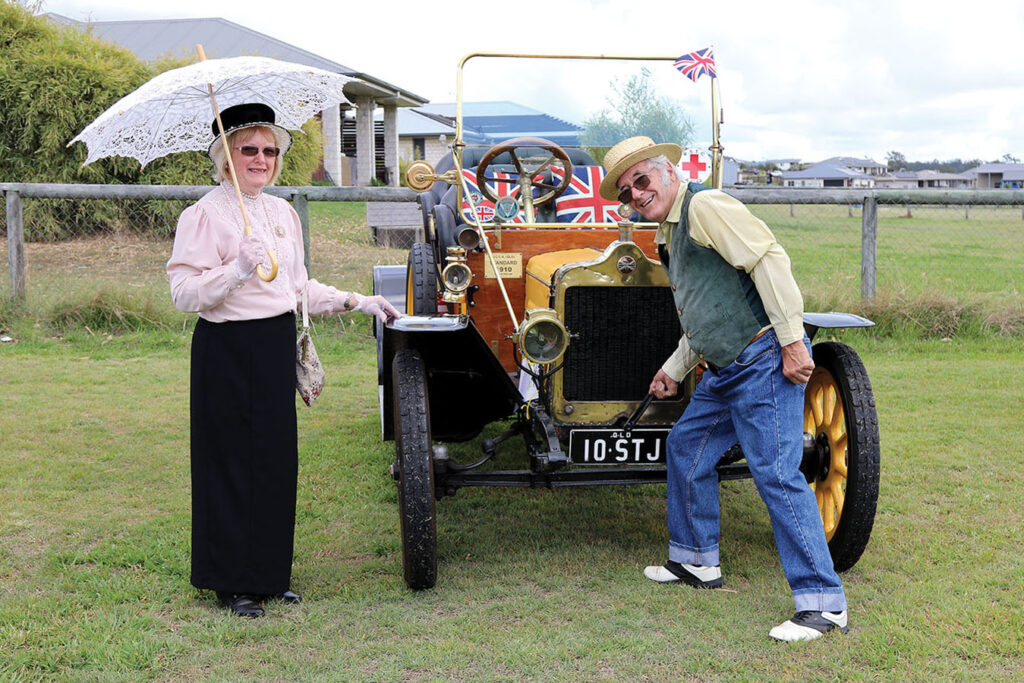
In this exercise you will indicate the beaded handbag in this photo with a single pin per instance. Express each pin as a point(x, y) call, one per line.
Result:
point(309, 374)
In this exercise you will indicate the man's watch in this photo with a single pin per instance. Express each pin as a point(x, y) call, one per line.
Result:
point(348, 302)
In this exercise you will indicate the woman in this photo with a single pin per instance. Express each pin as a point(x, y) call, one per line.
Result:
point(243, 427)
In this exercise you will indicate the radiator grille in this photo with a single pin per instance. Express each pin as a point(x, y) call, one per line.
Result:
point(620, 337)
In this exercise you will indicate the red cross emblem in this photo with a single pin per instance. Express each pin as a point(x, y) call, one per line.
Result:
point(694, 166)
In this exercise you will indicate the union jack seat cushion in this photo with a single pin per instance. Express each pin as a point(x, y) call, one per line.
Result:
point(581, 203)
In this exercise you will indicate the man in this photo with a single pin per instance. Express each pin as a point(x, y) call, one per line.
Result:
point(741, 314)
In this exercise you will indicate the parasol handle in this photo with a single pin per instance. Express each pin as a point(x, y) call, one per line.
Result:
point(260, 270)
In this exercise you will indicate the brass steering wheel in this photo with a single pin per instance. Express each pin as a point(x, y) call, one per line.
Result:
point(525, 178)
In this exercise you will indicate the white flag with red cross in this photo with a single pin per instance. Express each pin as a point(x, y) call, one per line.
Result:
point(695, 165)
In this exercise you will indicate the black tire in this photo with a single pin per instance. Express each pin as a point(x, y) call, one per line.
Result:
point(416, 506)
point(421, 281)
point(839, 411)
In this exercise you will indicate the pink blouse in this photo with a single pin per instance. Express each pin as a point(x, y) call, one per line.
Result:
point(201, 267)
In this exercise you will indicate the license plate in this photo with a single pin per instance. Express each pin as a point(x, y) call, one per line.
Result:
point(617, 446)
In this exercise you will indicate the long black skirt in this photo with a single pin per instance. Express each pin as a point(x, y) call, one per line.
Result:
point(244, 454)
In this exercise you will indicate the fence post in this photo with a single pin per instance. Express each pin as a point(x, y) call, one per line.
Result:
point(869, 249)
point(15, 245)
point(301, 205)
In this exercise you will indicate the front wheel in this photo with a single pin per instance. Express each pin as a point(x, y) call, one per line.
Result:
point(415, 471)
point(839, 412)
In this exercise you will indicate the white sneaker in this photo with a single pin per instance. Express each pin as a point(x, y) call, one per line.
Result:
point(690, 574)
point(809, 626)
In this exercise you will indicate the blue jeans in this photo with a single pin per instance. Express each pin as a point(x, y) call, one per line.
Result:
point(750, 402)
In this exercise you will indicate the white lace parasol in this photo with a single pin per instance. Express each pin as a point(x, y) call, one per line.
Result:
point(172, 112)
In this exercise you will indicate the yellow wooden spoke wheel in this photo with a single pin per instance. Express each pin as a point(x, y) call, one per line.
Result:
point(840, 417)
point(824, 416)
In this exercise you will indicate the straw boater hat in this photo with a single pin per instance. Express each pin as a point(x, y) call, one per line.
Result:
point(249, 116)
point(630, 151)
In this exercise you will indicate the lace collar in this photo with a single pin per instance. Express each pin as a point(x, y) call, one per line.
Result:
point(229, 187)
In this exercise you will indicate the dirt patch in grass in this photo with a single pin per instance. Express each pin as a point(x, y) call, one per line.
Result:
point(125, 254)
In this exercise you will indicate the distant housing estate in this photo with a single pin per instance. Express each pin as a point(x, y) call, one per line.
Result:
point(866, 173)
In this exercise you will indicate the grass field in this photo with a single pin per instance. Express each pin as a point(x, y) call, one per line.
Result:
point(934, 251)
point(534, 585)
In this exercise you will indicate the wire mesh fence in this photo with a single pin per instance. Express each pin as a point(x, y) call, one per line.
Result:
point(964, 245)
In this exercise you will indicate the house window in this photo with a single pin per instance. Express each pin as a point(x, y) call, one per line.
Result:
point(419, 149)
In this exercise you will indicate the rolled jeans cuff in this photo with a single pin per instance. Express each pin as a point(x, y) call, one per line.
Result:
point(705, 557)
point(823, 600)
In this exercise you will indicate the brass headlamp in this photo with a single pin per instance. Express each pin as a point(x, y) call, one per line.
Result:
point(541, 337)
point(456, 276)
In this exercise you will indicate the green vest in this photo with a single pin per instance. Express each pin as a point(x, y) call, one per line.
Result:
point(719, 307)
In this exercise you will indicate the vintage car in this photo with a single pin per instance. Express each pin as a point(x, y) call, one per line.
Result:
point(555, 329)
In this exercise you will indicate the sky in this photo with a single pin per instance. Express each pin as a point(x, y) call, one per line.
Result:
point(799, 79)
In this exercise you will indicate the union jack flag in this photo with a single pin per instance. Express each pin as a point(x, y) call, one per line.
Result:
point(485, 205)
point(696, 64)
point(580, 203)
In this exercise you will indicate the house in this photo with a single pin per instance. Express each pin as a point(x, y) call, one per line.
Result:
point(938, 180)
point(926, 179)
point(899, 180)
point(348, 133)
point(502, 120)
point(864, 166)
point(751, 175)
point(730, 171)
point(425, 132)
point(782, 164)
point(1013, 180)
point(1009, 176)
point(825, 174)
point(427, 136)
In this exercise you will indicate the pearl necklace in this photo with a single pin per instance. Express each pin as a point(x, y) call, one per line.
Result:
point(276, 229)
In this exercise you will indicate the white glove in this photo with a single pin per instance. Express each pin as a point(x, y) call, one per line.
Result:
point(376, 305)
point(251, 253)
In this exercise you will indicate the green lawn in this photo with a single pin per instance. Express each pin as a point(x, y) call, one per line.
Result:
point(536, 585)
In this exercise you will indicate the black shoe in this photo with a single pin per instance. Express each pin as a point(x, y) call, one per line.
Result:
point(288, 596)
point(241, 604)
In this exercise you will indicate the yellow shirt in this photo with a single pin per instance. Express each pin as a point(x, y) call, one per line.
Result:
point(721, 222)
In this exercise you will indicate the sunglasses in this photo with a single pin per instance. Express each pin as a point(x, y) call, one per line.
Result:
point(640, 184)
point(253, 150)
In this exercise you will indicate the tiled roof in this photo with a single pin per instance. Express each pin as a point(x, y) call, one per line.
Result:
point(503, 120)
point(825, 171)
point(997, 168)
point(154, 39)
point(852, 161)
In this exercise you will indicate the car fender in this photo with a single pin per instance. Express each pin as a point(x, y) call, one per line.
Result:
point(466, 385)
point(832, 320)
